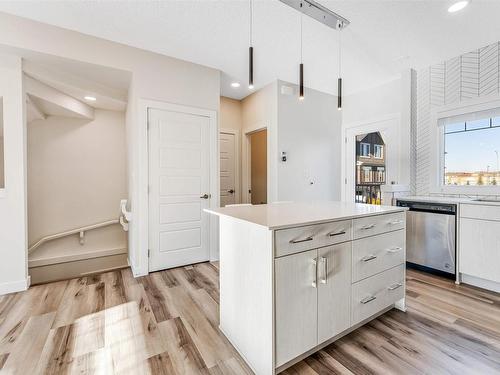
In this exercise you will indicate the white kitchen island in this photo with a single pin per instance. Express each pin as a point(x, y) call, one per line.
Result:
point(295, 277)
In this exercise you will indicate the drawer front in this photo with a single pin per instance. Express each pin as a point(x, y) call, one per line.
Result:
point(374, 294)
point(376, 254)
point(369, 226)
point(479, 211)
point(294, 240)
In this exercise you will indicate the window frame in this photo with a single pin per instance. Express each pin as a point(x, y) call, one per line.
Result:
point(381, 151)
point(361, 149)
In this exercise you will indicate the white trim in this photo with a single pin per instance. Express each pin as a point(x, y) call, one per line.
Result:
point(15, 286)
point(246, 161)
point(141, 215)
point(436, 167)
point(237, 158)
point(3, 194)
point(480, 283)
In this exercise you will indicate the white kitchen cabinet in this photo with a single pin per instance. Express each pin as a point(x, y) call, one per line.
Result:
point(480, 248)
point(296, 305)
point(334, 290)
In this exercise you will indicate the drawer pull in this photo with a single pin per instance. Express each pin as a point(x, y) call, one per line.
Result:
point(333, 234)
point(395, 222)
point(368, 258)
point(310, 238)
point(366, 300)
point(365, 227)
point(394, 249)
point(395, 286)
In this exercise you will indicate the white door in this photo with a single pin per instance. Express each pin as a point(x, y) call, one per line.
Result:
point(179, 170)
point(227, 169)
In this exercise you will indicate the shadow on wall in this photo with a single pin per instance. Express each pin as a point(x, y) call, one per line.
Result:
point(2, 164)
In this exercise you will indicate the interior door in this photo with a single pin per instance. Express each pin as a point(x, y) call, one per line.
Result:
point(334, 290)
point(296, 305)
point(179, 171)
point(227, 169)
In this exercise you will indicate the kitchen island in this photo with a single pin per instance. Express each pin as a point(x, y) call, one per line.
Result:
point(295, 277)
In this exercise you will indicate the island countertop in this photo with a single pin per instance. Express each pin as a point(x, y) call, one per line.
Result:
point(284, 215)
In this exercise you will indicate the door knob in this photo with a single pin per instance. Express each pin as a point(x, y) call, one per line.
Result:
point(230, 191)
point(205, 196)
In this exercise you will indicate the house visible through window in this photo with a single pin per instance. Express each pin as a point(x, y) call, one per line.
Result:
point(471, 152)
point(378, 151)
point(364, 150)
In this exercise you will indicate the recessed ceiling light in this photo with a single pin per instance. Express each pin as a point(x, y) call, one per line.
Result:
point(235, 84)
point(90, 98)
point(459, 5)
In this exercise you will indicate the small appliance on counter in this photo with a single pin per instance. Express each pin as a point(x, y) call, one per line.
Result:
point(431, 236)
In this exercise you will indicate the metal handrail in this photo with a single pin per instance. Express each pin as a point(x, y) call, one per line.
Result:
point(80, 230)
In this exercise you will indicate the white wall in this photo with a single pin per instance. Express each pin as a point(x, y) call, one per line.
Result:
point(13, 232)
point(76, 172)
point(2, 178)
point(388, 107)
point(154, 76)
point(260, 110)
point(310, 132)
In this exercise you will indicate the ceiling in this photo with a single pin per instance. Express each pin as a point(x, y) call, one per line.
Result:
point(384, 36)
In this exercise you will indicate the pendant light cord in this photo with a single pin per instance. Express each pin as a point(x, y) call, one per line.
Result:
point(340, 50)
point(251, 21)
point(301, 37)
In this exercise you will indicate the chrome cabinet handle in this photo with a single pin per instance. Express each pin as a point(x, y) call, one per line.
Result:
point(395, 222)
point(324, 279)
point(368, 227)
point(333, 234)
point(368, 258)
point(395, 286)
point(315, 277)
point(310, 238)
point(394, 250)
point(366, 300)
point(205, 196)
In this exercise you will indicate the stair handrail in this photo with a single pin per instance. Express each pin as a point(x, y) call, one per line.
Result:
point(80, 230)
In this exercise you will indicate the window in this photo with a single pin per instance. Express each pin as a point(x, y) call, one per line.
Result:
point(364, 150)
point(378, 151)
point(471, 152)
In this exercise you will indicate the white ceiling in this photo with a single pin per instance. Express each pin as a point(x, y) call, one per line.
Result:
point(383, 38)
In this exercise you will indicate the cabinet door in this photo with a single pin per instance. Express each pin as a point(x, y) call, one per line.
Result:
point(480, 248)
point(334, 290)
point(296, 305)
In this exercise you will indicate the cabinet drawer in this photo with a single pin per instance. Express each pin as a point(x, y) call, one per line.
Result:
point(294, 240)
point(479, 211)
point(374, 294)
point(371, 225)
point(376, 254)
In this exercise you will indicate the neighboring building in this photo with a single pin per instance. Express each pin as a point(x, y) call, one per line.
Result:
point(472, 178)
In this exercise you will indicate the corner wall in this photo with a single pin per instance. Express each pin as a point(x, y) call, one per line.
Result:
point(13, 227)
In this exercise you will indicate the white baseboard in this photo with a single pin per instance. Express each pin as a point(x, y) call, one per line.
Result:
point(14, 286)
point(480, 283)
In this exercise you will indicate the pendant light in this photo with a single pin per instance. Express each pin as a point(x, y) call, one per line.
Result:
point(250, 49)
point(301, 66)
point(339, 81)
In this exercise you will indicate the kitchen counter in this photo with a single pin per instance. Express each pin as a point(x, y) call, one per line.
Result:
point(296, 276)
point(453, 200)
point(284, 215)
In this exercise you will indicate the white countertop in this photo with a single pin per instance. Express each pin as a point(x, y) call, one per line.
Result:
point(285, 215)
point(453, 200)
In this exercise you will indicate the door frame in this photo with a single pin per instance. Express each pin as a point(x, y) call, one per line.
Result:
point(246, 162)
point(237, 161)
point(389, 128)
point(139, 228)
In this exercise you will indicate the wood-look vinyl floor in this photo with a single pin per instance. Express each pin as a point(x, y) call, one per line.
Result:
point(166, 323)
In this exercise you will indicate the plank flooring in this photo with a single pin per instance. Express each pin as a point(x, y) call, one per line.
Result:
point(167, 323)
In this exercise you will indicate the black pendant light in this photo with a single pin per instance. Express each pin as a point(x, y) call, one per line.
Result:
point(250, 50)
point(339, 81)
point(301, 66)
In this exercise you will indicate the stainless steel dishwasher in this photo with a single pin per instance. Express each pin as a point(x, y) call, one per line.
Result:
point(431, 236)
